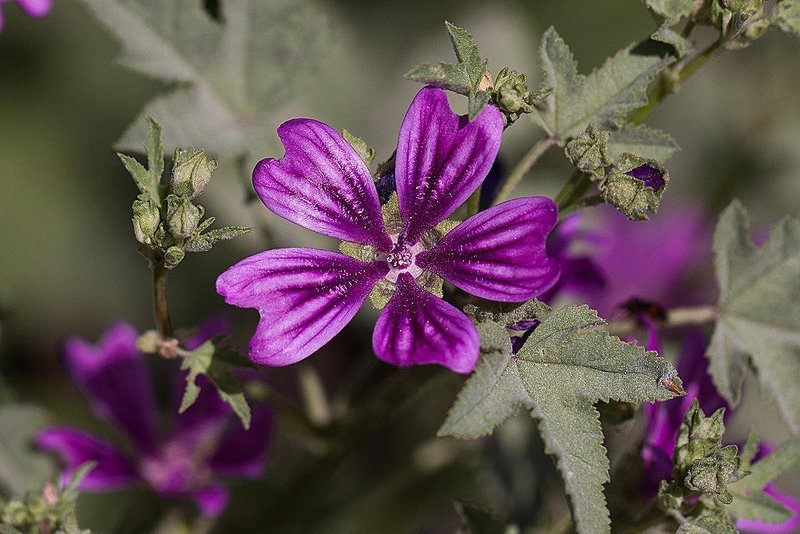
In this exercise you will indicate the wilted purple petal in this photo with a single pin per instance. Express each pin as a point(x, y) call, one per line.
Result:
point(241, 452)
point(417, 327)
point(499, 254)
point(322, 184)
point(651, 177)
point(113, 376)
point(212, 500)
point(441, 159)
point(76, 447)
point(305, 297)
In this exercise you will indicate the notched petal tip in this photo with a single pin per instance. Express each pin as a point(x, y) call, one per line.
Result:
point(417, 327)
point(304, 296)
point(441, 159)
point(321, 183)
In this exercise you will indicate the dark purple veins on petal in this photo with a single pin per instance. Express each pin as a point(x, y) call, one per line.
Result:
point(417, 327)
point(322, 184)
point(305, 297)
point(650, 176)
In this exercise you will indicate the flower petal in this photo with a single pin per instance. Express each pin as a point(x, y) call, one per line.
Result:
point(417, 327)
point(305, 297)
point(114, 377)
point(212, 500)
point(76, 447)
point(499, 254)
point(322, 184)
point(441, 159)
point(241, 452)
point(35, 8)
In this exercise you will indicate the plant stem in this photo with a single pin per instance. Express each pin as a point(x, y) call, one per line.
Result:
point(160, 301)
point(676, 317)
point(585, 202)
point(671, 79)
point(523, 167)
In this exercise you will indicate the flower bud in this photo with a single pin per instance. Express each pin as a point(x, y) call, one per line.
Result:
point(191, 172)
point(182, 216)
point(634, 186)
point(588, 151)
point(146, 218)
point(511, 95)
point(173, 256)
point(743, 6)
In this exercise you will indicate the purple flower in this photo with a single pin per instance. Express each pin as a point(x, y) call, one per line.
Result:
point(652, 177)
point(306, 296)
point(32, 8)
point(206, 443)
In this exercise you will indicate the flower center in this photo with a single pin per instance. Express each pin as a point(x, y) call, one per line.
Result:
point(401, 259)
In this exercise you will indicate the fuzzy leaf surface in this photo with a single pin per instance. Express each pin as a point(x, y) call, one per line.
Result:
point(463, 77)
point(603, 97)
point(562, 370)
point(758, 312)
point(787, 16)
point(228, 72)
point(645, 142)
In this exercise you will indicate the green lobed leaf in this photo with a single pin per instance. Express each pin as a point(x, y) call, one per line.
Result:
point(645, 142)
point(562, 370)
point(228, 71)
point(605, 96)
point(758, 316)
point(671, 9)
point(463, 77)
point(706, 524)
point(216, 362)
point(364, 151)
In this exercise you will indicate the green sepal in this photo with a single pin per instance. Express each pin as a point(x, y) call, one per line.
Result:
point(364, 151)
point(467, 77)
point(758, 318)
point(182, 216)
point(203, 242)
point(145, 220)
point(628, 194)
point(216, 362)
point(173, 256)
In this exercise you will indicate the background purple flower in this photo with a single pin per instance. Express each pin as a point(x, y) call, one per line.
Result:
point(205, 445)
point(306, 296)
point(32, 8)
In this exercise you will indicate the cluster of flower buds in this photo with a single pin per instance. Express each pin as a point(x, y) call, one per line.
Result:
point(589, 151)
point(739, 21)
point(510, 94)
point(166, 221)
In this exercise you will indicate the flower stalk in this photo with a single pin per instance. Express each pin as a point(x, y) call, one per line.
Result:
point(160, 301)
point(522, 168)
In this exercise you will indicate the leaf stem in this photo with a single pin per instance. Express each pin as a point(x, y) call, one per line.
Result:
point(671, 79)
point(585, 202)
point(523, 167)
point(160, 301)
point(676, 317)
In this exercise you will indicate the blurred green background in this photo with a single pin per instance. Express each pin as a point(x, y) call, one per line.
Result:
point(69, 262)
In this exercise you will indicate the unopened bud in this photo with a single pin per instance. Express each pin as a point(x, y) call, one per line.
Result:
point(743, 6)
point(511, 95)
point(634, 186)
point(588, 151)
point(182, 216)
point(191, 172)
point(145, 220)
point(173, 256)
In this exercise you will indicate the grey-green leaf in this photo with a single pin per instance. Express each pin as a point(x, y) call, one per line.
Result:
point(787, 16)
point(758, 316)
point(232, 70)
point(671, 9)
point(645, 142)
point(562, 370)
point(21, 467)
point(605, 96)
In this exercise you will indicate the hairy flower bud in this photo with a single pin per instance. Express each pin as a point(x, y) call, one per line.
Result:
point(511, 95)
point(191, 172)
point(588, 151)
point(634, 186)
point(173, 256)
point(182, 216)
point(146, 218)
point(743, 6)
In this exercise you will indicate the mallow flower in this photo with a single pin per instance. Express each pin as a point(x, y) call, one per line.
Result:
point(306, 296)
point(206, 445)
point(32, 8)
